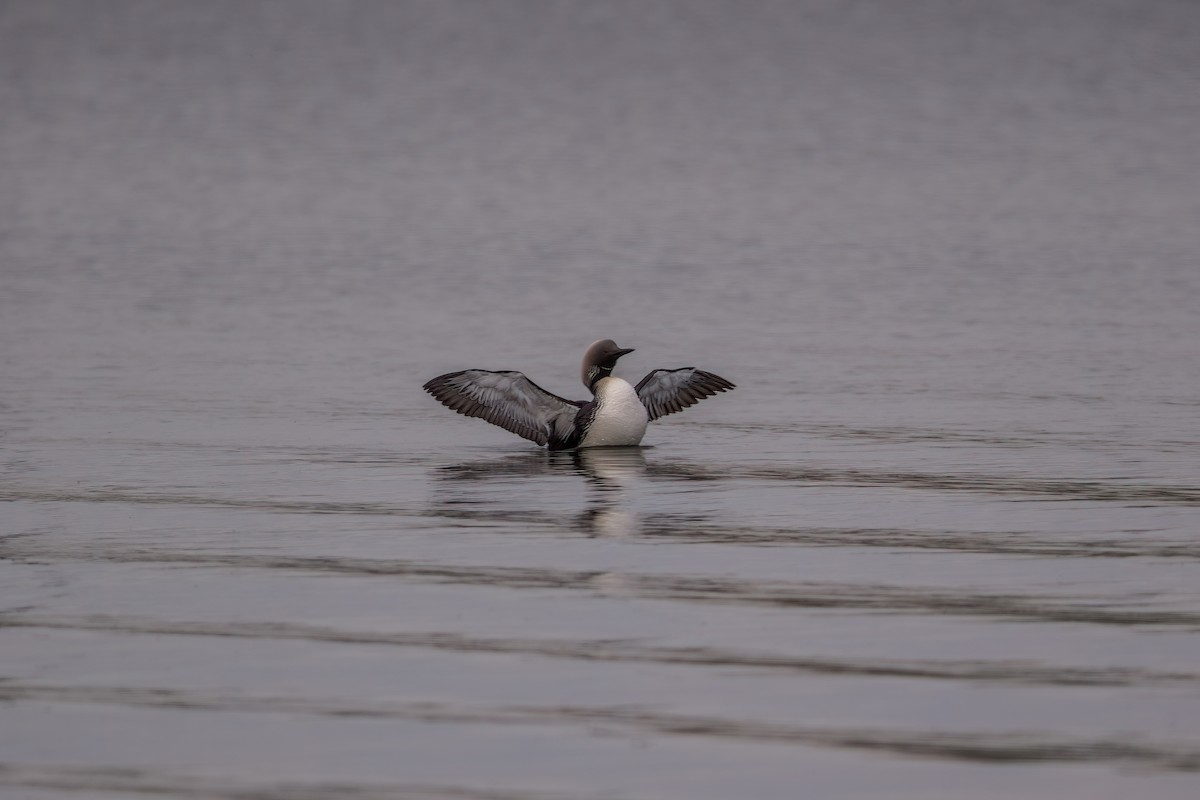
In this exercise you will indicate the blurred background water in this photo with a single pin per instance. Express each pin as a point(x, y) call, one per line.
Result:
point(942, 541)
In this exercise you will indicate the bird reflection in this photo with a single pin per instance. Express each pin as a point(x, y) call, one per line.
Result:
point(611, 474)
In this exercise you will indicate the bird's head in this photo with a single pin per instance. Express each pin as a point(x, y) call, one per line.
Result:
point(599, 360)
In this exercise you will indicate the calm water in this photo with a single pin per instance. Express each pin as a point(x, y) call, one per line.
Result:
point(942, 542)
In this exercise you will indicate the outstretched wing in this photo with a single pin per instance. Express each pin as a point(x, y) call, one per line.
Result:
point(507, 399)
point(665, 391)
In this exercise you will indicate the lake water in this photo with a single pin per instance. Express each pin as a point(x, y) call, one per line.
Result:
point(943, 541)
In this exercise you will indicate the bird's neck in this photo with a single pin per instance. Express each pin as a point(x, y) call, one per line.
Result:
point(601, 374)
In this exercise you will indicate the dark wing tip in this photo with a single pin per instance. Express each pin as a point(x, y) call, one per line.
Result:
point(435, 385)
point(714, 383)
point(445, 391)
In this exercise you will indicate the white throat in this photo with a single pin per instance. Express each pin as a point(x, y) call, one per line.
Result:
point(620, 419)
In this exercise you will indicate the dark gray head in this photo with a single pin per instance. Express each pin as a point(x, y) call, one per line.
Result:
point(599, 360)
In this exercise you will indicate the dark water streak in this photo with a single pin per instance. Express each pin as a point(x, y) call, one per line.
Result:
point(957, 745)
point(91, 780)
point(1020, 672)
point(880, 599)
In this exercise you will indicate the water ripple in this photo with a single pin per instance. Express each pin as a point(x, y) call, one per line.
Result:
point(1023, 746)
point(693, 588)
point(621, 650)
point(673, 527)
point(135, 781)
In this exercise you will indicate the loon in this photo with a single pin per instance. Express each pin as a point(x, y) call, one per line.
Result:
point(616, 416)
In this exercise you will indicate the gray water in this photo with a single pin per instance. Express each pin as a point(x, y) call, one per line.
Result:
point(943, 541)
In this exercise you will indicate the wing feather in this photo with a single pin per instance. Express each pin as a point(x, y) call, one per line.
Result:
point(508, 399)
point(666, 391)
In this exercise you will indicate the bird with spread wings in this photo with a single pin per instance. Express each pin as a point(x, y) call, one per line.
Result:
point(511, 400)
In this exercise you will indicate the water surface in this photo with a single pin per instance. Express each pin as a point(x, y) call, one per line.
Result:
point(940, 542)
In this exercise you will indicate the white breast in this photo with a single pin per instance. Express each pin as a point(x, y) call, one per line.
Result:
point(620, 419)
